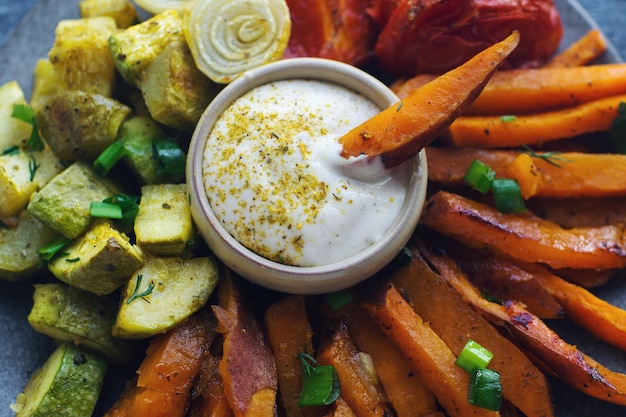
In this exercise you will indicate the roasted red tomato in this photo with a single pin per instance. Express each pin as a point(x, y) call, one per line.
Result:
point(333, 29)
point(434, 36)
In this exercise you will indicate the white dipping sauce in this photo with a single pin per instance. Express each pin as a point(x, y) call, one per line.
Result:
point(276, 181)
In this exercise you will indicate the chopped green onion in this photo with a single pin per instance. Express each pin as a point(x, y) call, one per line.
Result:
point(128, 203)
point(105, 210)
point(485, 389)
point(320, 384)
point(26, 114)
point(33, 166)
point(507, 195)
point(338, 299)
point(53, 247)
point(508, 118)
point(170, 159)
point(617, 131)
point(480, 176)
point(108, 158)
point(473, 355)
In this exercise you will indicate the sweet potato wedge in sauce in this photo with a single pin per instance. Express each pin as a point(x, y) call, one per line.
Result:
point(403, 129)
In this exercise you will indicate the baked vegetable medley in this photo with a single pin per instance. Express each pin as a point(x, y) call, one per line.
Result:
point(524, 220)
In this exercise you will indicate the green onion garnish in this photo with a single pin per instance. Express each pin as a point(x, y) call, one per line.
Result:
point(105, 210)
point(473, 355)
point(485, 389)
point(507, 195)
point(508, 118)
point(26, 114)
point(480, 176)
point(338, 299)
point(170, 159)
point(108, 158)
point(320, 384)
point(53, 247)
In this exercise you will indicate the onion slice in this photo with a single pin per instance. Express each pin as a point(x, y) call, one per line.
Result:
point(228, 37)
point(159, 6)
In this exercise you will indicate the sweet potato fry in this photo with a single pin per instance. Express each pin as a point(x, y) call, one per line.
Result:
point(403, 129)
point(363, 394)
point(526, 238)
point(587, 278)
point(166, 375)
point(591, 46)
point(209, 399)
point(247, 368)
point(580, 212)
point(406, 391)
point(536, 90)
point(505, 281)
point(557, 356)
point(289, 334)
point(600, 318)
point(533, 129)
point(455, 321)
point(431, 357)
point(564, 175)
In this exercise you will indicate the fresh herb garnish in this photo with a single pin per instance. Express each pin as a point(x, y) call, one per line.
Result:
point(550, 156)
point(33, 166)
point(142, 294)
point(508, 118)
point(26, 114)
point(53, 247)
point(11, 150)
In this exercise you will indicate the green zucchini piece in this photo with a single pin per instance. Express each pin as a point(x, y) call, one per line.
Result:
point(70, 315)
point(67, 385)
point(63, 203)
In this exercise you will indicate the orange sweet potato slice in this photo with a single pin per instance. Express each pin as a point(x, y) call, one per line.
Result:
point(359, 390)
point(407, 392)
point(403, 129)
point(526, 238)
point(247, 368)
point(289, 334)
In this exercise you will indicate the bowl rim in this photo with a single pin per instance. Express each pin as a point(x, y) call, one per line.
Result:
point(289, 278)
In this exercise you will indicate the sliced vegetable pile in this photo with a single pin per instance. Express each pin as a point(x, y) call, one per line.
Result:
point(95, 212)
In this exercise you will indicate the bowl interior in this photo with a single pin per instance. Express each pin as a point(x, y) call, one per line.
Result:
point(286, 278)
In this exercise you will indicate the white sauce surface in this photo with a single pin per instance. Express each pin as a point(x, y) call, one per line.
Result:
point(275, 178)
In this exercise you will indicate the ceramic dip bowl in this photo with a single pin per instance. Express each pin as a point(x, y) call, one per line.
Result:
point(272, 197)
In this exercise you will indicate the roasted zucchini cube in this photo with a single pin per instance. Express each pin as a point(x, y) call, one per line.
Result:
point(99, 261)
point(70, 315)
point(78, 125)
point(80, 54)
point(23, 173)
point(134, 48)
point(163, 226)
point(122, 11)
point(63, 203)
point(67, 385)
point(18, 247)
point(164, 292)
point(13, 132)
point(175, 91)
